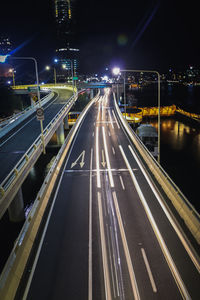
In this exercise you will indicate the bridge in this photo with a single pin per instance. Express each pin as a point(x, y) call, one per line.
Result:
point(108, 221)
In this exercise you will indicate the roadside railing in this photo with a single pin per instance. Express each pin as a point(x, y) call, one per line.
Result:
point(185, 209)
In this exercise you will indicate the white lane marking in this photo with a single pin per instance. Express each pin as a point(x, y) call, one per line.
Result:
point(107, 159)
point(103, 159)
point(111, 262)
point(115, 119)
point(126, 250)
point(97, 158)
point(149, 270)
point(183, 241)
point(158, 235)
point(104, 251)
point(93, 134)
point(111, 121)
point(113, 150)
point(109, 133)
point(122, 183)
point(90, 233)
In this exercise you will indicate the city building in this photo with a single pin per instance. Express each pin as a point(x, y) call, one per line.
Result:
point(67, 51)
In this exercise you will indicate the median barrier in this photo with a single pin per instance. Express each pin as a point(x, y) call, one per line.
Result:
point(14, 268)
point(186, 211)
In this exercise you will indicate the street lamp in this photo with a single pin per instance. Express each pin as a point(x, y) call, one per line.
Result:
point(2, 60)
point(54, 70)
point(13, 75)
point(117, 71)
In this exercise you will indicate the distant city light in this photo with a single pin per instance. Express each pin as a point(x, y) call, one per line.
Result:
point(47, 68)
point(105, 78)
point(55, 60)
point(3, 58)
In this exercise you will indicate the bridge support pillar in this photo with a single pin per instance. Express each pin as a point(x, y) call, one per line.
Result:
point(16, 208)
point(91, 93)
point(66, 124)
point(60, 134)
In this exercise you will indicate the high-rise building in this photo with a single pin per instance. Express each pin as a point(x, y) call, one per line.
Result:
point(5, 45)
point(67, 52)
point(5, 48)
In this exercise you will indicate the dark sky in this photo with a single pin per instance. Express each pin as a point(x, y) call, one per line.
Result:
point(133, 34)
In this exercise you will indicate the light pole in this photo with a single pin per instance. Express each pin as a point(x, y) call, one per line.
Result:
point(116, 71)
point(54, 72)
point(38, 94)
point(13, 75)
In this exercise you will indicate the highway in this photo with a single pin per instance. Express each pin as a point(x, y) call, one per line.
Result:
point(108, 234)
point(14, 144)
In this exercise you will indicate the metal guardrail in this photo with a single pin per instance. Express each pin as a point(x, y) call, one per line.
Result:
point(14, 117)
point(185, 209)
point(10, 179)
point(15, 265)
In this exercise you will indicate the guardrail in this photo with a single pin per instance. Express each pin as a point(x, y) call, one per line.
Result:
point(186, 211)
point(16, 263)
point(13, 121)
point(10, 180)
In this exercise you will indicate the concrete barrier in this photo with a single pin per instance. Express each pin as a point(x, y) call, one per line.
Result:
point(186, 211)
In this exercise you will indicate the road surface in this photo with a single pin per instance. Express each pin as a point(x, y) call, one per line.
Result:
point(108, 235)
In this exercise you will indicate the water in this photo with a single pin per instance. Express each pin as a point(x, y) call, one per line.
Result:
point(180, 139)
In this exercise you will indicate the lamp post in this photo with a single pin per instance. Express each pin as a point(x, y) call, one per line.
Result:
point(117, 71)
point(38, 94)
point(13, 75)
point(54, 72)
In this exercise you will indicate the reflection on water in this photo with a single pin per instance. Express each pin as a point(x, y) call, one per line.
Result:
point(180, 156)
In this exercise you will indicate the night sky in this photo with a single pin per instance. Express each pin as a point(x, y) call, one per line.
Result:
point(133, 34)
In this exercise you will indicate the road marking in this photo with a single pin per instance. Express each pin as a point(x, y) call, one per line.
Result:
point(107, 159)
point(104, 251)
point(113, 150)
point(97, 158)
point(103, 159)
point(183, 241)
point(149, 270)
point(109, 133)
point(126, 250)
point(93, 134)
point(110, 119)
point(82, 156)
point(115, 119)
point(166, 253)
point(122, 183)
point(111, 262)
point(90, 233)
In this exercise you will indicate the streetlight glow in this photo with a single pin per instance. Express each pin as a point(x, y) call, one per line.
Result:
point(116, 71)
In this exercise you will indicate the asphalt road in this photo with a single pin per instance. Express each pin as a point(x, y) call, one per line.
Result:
point(16, 143)
point(108, 235)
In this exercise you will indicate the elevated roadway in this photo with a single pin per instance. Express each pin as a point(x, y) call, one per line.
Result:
point(18, 146)
point(110, 233)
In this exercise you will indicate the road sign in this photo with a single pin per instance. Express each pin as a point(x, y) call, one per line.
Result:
point(40, 113)
point(33, 88)
point(75, 78)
